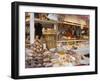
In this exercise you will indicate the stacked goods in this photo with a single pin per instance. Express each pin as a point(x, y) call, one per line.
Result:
point(63, 60)
point(47, 59)
point(28, 57)
point(39, 57)
point(37, 54)
point(66, 58)
point(79, 57)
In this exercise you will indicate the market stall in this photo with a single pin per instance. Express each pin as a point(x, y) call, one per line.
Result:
point(58, 41)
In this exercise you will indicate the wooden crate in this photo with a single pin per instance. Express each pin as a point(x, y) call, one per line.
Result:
point(50, 40)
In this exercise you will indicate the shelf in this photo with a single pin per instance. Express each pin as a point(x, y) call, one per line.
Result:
point(52, 22)
point(45, 21)
point(55, 22)
point(49, 33)
point(72, 40)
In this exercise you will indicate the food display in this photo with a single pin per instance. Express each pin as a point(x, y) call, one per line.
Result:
point(57, 43)
point(47, 56)
point(37, 56)
point(61, 56)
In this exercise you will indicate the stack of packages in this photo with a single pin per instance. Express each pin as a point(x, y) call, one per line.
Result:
point(37, 48)
point(40, 57)
point(47, 59)
point(28, 58)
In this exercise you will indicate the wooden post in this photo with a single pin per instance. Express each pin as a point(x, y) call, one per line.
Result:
point(32, 30)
